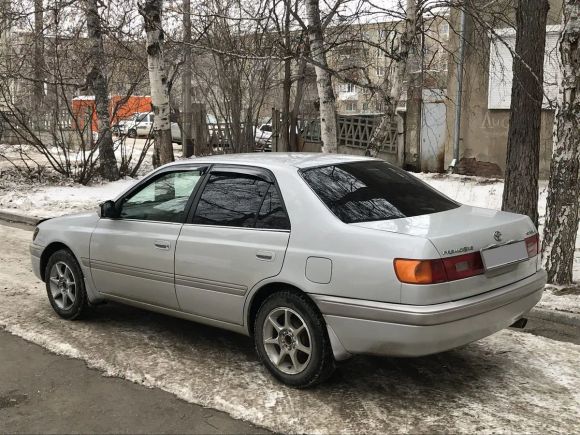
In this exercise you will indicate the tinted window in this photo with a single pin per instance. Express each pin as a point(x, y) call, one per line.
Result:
point(372, 191)
point(163, 199)
point(272, 214)
point(231, 199)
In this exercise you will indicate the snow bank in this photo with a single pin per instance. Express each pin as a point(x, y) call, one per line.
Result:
point(50, 201)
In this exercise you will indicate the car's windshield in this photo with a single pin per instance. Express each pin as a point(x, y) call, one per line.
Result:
point(373, 191)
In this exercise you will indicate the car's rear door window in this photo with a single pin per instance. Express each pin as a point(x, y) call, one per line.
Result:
point(272, 214)
point(240, 200)
point(373, 190)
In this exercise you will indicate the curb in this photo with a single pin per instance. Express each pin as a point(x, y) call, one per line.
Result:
point(563, 317)
point(17, 218)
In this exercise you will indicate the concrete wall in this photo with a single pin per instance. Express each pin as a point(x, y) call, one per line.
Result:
point(484, 132)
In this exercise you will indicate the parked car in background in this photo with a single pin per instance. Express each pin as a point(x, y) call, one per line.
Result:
point(263, 137)
point(316, 256)
point(141, 125)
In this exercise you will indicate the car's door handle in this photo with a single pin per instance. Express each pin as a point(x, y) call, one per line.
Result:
point(265, 255)
point(162, 244)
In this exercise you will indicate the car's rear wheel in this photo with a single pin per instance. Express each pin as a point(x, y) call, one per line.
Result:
point(65, 285)
point(132, 133)
point(291, 340)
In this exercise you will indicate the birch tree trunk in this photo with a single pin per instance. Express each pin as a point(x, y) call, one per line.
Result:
point(328, 118)
point(150, 10)
point(520, 193)
point(97, 82)
point(563, 190)
point(393, 85)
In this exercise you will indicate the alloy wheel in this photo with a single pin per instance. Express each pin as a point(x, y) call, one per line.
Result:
point(287, 340)
point(62, 285)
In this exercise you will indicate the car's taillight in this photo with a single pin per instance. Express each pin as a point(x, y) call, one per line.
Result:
point(463, 266)
point(420, 271)
point(532, 245)
point(441, 270)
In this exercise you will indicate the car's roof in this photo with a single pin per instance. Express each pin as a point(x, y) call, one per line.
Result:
point(274, 159)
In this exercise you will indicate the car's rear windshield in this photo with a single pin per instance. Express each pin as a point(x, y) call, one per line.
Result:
point(372, 191)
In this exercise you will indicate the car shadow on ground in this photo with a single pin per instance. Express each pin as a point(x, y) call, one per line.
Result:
point(455, 369)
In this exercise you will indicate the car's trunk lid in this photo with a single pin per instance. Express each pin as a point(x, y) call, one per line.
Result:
point(460, 231)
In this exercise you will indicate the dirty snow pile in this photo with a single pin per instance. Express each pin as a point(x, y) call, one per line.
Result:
point(40, 201)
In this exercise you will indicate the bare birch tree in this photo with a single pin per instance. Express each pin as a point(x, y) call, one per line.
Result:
point(563, 190)
point(327, 100)
point(151, 11)
point(98, 83)
point(392, 86)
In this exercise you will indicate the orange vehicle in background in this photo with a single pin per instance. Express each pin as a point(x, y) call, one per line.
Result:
point(120, 108)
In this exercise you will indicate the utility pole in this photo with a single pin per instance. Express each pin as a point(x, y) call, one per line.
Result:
point(38, 55)
point(413, 119)
point(186, 140)
point(458, 92)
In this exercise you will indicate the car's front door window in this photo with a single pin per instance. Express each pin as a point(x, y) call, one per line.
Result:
point(163, 199)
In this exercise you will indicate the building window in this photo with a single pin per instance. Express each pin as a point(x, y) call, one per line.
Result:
point(348, 87)
point(365, 107)
point(379, 106)
point(380, 71)
point(445, 29)
point(351, 106)
point(382, 34)
point(501, 63)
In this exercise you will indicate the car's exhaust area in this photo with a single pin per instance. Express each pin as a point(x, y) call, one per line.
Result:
point(520, 323)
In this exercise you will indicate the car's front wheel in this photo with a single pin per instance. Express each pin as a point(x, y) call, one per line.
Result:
point(291, 340)
point(132, 133)
point(65, 285)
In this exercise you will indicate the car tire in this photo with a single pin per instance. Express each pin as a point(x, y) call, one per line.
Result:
point(65, 285)
point(296, 350)
point(132, 133)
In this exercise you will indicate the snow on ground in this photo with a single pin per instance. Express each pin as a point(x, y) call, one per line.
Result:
point(562, 299)
point(509, 382)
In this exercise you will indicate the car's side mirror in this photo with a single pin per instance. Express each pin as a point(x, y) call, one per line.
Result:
point(108, 210)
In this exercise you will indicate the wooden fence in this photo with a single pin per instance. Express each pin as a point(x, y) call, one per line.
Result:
point(354, 131)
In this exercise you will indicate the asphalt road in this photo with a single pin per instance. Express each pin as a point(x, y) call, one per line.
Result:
point(509, 382)
point(41, 392)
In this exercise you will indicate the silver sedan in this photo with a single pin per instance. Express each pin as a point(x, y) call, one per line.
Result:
point(317, 257)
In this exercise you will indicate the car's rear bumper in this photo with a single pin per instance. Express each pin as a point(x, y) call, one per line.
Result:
point(369, 327)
